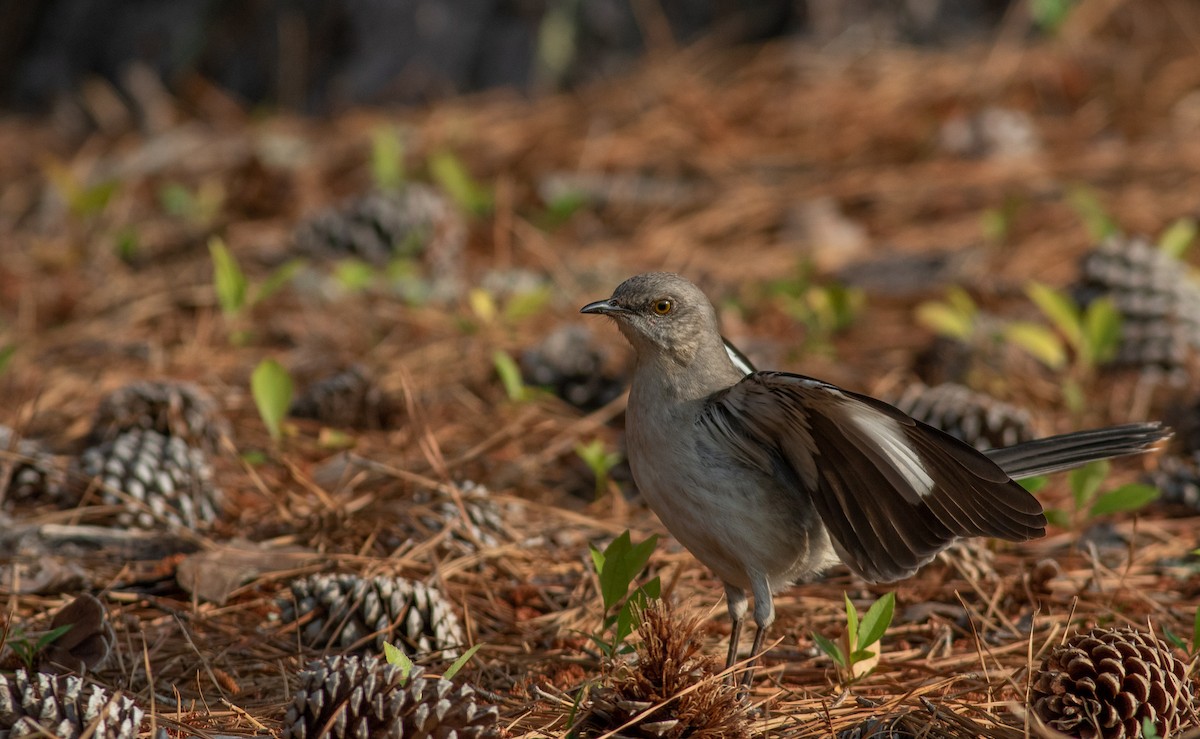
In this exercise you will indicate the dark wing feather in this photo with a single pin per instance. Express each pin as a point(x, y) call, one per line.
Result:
point(891, 491)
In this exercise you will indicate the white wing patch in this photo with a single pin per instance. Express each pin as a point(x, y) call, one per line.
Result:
point(890, 437)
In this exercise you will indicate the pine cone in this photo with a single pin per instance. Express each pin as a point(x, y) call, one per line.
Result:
point(351, 611)
point(380, 227)
point(171, 408)
point(1103, 684)
point(1178, 480)
point(41, 704)
point(978, 419)
point(569, 363)
point(670, 660)
point(168, 481)
point(484, 525)
point(33, 474)
point(365, 698)
point(348, 399)
point(1158, 302)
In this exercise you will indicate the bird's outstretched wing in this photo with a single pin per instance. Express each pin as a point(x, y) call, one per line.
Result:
point(892, 491)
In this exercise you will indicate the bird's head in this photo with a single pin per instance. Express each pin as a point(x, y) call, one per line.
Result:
point(663, 316)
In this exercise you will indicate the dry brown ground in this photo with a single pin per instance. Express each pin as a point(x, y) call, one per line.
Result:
point(754, 135)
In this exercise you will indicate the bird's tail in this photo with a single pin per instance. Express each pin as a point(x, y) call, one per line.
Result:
point(1065, 451)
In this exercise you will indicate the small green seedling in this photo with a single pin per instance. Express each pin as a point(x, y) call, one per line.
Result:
point(452, 176)
point(461, 662)
point(617, 567)
point(510, 376)
point(7, 352)
point(956, 317)
point(1149, 730)
point(824, 309)
point(1178, 238)
point(1085, 202)
point(271, 386)
point(853, 655)
point(394, 655)
point(1089, 502)
point(27, 648)
point(234, 291)
point(387, 159)
point(199, 206)
point(1083, 338)
point(600, 460)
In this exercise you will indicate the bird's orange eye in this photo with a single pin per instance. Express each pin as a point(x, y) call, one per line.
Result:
point(663, 307)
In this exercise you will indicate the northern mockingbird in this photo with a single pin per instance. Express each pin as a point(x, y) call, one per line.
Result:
point(770, 477)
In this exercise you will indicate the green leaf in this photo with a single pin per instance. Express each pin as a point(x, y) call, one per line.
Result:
point(1058, 517)
point(653, 587)
point(450, 174)
point(510, 376)
point(1039, 341)
point(1101, 331)
point(598, 559)
point(7, 352)
point(1149, 730)
point(353, 275)
point(875, 624)
point(1086, 480)
point(271, 387)
point(90, 201)
point(1091, 211)
point(228, 279)
point(127, 243)
point(859, 655)
point(527, 303)
point(1178, 237)
point(614, 582)
point(276, 280)
point(1130, 497)
point(387, 158)
point(1059, 309)
point(851, 622)
point(945, 320)
point(1034, 484)
point(51, 636)
point(1050, 15)
point(830, 649)
point(176, 200)
point(396, 656)
point(1174, 640)
point(1196, 632)
point(459, 663)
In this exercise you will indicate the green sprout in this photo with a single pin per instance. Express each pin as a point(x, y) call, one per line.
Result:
point(853, 654)
point(1088, 502)
point(387, 159)
point(617, 567)
point(824, 309)
point(271, 386)
point(27, 648)
point(452, 176)
point(600, 460)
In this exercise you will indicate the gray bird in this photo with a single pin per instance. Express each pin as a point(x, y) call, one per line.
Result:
point(768, 478)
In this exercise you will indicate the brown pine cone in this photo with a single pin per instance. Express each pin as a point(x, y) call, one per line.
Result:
point(1103, 684)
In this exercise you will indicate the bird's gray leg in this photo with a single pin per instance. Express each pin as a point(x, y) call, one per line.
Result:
point(735, 600)
point(764, 616)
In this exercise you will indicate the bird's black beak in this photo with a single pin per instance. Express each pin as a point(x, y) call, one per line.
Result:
point(604, 308)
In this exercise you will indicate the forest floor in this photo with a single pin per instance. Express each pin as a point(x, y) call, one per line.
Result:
point(772, 176)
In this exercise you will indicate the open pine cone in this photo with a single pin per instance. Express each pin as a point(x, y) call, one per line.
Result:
point(670, 662)
point(171, 408)
point(351, 611)
point(1103, 684)
point(41, 704)
point(976, 418)
point(367, 698)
